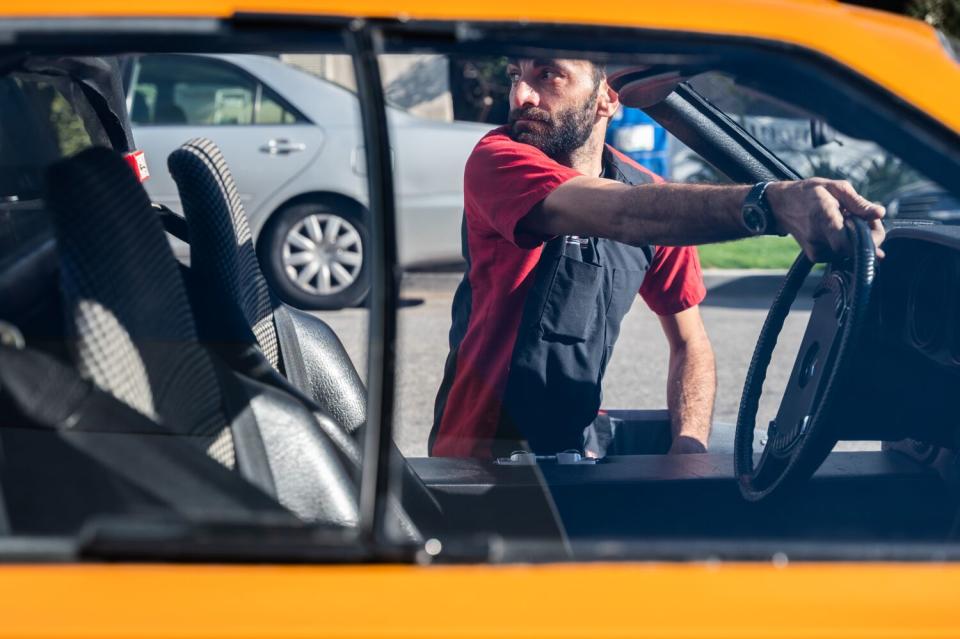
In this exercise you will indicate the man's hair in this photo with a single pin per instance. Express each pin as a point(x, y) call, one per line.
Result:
point(599, 72)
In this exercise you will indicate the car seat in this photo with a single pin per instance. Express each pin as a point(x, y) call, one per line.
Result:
point(167, 112)
point(73, 454)
point(227, 274)
point(240, 315)
point(132, 334)
point(140, 111)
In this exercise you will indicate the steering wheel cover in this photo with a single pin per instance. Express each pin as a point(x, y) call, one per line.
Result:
point(801, 460)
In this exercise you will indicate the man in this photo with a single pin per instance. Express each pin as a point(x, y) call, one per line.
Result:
point(560, 233)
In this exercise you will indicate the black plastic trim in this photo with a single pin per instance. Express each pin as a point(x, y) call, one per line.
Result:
point(718, 140)
point(244, 33)
point(385, 289)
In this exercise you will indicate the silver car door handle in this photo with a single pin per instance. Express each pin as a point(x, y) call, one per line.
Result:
point(282, 146)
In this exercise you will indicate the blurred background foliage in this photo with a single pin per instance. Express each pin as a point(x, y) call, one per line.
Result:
point(942, 14)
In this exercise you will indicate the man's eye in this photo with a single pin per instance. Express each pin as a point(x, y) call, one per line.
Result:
point(548, 75)
point(513, 76)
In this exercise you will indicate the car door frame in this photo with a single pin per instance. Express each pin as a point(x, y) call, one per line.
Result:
point(366, 40)
point(702, 126)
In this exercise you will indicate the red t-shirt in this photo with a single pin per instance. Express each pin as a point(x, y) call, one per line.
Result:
point(503, 181)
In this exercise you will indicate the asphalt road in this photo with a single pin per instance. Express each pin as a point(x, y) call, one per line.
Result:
point(733, 312)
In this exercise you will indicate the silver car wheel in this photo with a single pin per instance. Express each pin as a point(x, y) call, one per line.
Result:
point(322, 254)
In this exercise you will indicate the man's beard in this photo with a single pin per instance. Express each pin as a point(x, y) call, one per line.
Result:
point(559, 136)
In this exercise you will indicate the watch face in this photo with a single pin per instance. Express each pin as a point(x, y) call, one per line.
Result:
point(754, 219)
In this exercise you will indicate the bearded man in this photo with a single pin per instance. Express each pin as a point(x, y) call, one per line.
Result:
point(560, 234)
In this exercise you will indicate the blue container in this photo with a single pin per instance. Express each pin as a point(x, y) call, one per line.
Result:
point(635, 134)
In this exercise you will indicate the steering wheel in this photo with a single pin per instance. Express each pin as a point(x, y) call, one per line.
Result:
point(803, 433)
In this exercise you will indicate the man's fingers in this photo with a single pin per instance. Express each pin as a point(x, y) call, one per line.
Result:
point(816, 212)
point(831, 223)
point(853, 202)
point(878, 233)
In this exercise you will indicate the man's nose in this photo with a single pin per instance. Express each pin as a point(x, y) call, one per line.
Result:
point(524, 95)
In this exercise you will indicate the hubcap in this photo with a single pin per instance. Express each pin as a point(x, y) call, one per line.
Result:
point(322, 254)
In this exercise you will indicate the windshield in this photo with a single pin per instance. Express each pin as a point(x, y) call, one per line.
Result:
point(516, 327)
point(814, 149)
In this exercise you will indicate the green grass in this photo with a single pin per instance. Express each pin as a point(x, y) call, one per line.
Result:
point(755, 252)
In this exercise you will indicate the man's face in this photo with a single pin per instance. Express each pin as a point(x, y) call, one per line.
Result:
point(553, 104)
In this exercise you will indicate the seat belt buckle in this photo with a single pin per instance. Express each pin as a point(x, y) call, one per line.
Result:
point(138, 163)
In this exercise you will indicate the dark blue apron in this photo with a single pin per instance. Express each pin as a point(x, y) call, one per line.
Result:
point(582, 289)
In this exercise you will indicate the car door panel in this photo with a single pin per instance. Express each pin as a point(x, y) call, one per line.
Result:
point(253, 153)
point(430, 160)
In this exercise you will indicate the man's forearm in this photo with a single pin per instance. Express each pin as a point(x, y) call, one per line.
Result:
point(691, 389)
point(679, 215)
point(661, 214)
point(811, 210)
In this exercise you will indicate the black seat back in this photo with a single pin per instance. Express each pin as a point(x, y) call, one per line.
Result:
point(232, 307)
point(127, 311)
point(133, 336)
point(234, 296)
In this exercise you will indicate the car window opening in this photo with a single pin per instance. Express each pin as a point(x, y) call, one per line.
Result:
point(306, 263)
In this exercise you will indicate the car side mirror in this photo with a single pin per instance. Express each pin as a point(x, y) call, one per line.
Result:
point(647, 90)
point(642, 87)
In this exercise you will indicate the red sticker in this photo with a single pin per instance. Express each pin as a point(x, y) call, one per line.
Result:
point(138, 162)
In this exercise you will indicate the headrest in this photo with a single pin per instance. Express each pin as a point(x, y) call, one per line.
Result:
point(222, 252)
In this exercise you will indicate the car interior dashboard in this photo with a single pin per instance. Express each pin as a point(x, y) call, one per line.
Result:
point(902, 390)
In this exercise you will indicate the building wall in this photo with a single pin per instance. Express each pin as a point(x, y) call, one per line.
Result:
point(416, 83)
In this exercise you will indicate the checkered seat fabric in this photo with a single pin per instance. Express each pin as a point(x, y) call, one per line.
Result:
point(233, 304)
point(128, 317)
point(232, 301)
point(222, 252)
point(135, 337)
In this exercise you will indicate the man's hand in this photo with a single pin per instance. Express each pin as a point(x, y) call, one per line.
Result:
point(813, 212)
point(685, 445)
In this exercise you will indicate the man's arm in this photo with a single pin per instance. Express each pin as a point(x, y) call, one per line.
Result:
point(691, 381)
point(687, 214)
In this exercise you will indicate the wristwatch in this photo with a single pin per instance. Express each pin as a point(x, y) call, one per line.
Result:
point(756, 213)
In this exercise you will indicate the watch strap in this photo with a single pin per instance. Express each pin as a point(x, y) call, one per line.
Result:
point(757, 214)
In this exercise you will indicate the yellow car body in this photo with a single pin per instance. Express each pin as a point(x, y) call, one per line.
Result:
point(638, 600)
point(663, 599)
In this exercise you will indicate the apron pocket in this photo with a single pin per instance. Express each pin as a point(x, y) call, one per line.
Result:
point(571, 308)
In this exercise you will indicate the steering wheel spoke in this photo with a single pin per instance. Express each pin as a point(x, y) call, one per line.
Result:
point(801, 435)
point(815, 359)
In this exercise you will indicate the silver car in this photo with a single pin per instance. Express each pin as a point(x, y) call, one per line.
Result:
point(295, 146)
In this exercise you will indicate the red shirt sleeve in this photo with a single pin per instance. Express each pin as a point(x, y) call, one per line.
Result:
point(503, 180)
point(674, 282)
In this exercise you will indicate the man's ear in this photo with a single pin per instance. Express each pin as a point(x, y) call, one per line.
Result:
point(608, 101)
